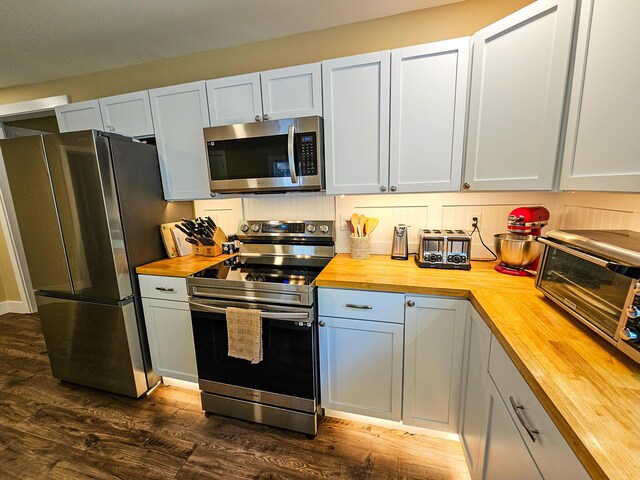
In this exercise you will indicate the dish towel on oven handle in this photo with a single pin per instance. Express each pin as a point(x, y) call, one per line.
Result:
point(244, 334)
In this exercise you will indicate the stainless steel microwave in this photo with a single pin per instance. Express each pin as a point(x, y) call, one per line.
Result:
point(261, 157)
point(595, 276)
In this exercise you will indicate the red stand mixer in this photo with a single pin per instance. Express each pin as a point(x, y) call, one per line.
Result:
point(518, 250)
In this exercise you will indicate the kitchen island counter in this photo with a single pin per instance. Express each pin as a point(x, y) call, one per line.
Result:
point(590, 390)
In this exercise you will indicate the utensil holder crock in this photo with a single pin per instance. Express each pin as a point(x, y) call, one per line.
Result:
point(360, 248)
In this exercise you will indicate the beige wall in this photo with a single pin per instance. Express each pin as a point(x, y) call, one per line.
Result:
point(411, 28)
point(8, 286)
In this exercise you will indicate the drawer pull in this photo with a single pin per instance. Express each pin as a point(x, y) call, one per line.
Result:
point(533, 432)
point(361, 307)
point(165, 289)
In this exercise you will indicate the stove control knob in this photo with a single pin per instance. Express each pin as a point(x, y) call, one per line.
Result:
point(324, 228)
point(244, 228)
point(311, 228)
point(630, 334)
point(255, 227)
point(633, 311)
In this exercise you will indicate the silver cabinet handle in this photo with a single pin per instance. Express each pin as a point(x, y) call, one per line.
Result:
point(530, 430)
point(321, 323)
point(383, 188)
point(292, 163)
point(361, 307)
point(393, 188)
point(165, 289)
point(410, 303)
point(266, 116)
point(466, 186)
point(258, 118)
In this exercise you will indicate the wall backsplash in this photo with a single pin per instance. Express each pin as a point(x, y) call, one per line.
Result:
point(430, 210)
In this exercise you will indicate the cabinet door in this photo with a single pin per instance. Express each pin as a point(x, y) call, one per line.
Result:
point(505, 456)
point(128, 114)
point(428, 108)
point(170, 338)
point(79, 116)
point(433, 353)
point(475, 374)
point(518, 82)
point(602, 149)
point(355, 95)
point(292, 92)
point(235, 99)
point(179, 115)
point(361, 367)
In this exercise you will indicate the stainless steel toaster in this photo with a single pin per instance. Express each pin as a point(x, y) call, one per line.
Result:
point(444, 248)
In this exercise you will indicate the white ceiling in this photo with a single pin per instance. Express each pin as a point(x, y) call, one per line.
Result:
point(42, 40)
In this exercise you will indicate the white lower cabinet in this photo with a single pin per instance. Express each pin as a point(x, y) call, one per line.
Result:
point(170, 334)
point(475, 374)
point(519, 439)
point(361, 367)
point(433, 352)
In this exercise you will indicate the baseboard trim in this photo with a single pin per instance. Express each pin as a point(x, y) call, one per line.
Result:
point(13, 307)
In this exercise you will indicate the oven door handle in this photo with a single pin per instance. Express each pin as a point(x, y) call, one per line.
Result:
point(291, 153)
point(265, 315)
point(631, 271)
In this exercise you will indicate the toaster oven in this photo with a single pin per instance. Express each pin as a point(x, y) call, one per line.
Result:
point(595, 276)
point(444, 248)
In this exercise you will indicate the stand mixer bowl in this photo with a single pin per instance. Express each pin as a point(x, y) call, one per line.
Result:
point(516, 251)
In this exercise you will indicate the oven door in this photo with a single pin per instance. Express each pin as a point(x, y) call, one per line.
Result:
point(287, 375)
point(277, 155)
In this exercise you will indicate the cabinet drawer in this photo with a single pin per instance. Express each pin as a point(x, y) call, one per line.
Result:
point(376, 306)
point(163, 288)
point(551, 452)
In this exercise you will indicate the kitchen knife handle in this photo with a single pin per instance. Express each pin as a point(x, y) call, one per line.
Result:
point(292, 160)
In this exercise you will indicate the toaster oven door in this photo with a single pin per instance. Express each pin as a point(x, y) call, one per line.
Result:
point(591, 292)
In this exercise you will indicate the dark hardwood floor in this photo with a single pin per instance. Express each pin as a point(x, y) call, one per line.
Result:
point(54, 430)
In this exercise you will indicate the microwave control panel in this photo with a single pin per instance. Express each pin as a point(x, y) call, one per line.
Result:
point(306, 154)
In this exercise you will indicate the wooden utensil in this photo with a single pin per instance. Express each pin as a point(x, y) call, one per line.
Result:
point(361, 223)
point(354, 223)
point(373, 224)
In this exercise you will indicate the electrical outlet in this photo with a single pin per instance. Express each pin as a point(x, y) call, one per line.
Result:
point(470, 223)
point(343, 222)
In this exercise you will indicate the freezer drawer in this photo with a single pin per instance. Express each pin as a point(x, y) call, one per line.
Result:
point(95, 345)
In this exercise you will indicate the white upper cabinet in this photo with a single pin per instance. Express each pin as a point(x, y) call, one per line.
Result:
point(355, 94)
point(272, 95)
point(179, 115)
point(602, 148)
point(128, 114)
point(79, 116)
point(428, 107)
point(235, 99)
point(519, 77)
point(292, 92)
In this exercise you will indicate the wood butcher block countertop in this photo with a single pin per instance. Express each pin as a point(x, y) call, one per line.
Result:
point(180, 266)
point(590, 390)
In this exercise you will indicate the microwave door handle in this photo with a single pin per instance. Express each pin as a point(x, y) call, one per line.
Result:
point(291, 153)
point(631, 271)
point(265, 315)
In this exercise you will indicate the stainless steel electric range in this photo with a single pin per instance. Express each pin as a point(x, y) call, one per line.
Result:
point(275, 273)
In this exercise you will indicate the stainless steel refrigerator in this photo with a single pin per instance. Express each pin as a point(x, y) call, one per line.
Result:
point(88, 206)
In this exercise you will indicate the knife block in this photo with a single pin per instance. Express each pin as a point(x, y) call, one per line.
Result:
point(214, 250)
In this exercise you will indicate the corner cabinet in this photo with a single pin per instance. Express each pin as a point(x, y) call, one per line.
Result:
point(519, 78)
point(179, 114)
point(433, 351)
point(168, 321)
point(272, 95)
point(355, 95)
point(79, 116)
point(602, 148)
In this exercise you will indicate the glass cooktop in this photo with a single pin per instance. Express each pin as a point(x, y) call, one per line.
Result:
point(282, 270)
